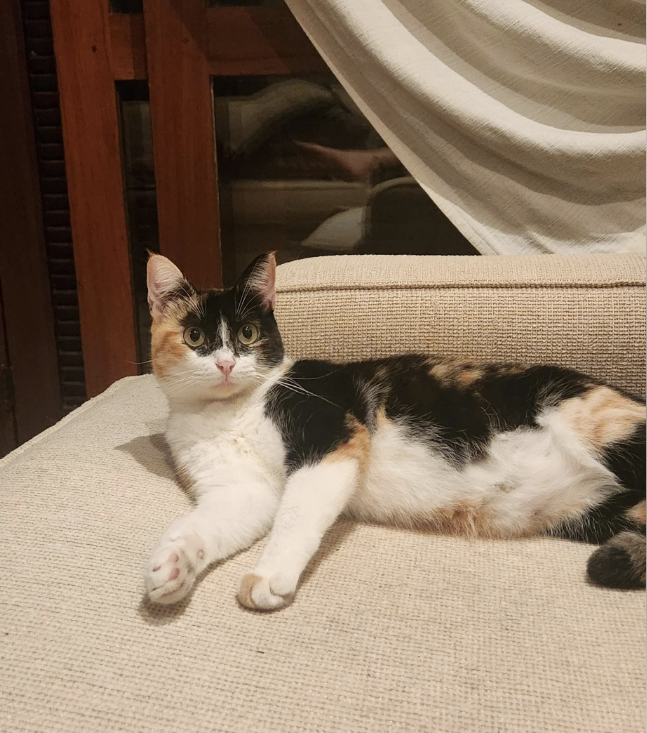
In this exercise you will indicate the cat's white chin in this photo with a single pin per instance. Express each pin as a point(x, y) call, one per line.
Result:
point(206, 391)
point(226, 390)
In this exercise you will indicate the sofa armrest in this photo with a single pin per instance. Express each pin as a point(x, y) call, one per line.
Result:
point(586, 312)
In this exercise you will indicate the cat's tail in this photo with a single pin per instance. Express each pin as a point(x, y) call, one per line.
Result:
point(619, 562)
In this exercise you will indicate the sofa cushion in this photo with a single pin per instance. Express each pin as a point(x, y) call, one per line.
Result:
point(585, 312)
point(391, 630)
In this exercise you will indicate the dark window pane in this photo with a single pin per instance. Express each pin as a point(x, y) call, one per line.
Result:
point(294, 168)
point(127, 6)
point(139, 190)
point(302, 172)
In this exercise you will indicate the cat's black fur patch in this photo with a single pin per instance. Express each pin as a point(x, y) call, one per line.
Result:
point(518, 397)
point(460, 420)
point(310, 406)
point(627, 461)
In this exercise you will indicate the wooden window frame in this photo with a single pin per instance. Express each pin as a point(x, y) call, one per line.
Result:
point(177, 47)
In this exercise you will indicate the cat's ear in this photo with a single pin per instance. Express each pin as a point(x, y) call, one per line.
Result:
point(257, 284)
point(163, 279)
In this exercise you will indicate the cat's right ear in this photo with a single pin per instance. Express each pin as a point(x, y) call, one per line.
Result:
point(163, 279)
point(257, 283)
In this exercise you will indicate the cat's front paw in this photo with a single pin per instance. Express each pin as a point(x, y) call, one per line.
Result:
point(266, 593)
point(172, 569)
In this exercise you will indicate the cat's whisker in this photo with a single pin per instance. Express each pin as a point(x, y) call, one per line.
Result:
point(290, 384)
point(247, 310)
point(243, 297)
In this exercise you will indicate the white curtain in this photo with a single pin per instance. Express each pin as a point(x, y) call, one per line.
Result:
point(523, 120)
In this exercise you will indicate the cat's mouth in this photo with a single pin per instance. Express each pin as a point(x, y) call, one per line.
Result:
point(226, 386)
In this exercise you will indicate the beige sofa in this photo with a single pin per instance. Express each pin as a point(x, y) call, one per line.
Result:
point(392, 630)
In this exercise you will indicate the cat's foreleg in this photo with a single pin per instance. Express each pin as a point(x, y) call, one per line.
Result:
point(314, 497)
point(224, 521)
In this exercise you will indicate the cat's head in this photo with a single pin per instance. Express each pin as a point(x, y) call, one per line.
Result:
point(213, 344)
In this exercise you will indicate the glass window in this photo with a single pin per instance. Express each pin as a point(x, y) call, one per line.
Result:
point(302, 171)
point(297, 163)
point(141, 205)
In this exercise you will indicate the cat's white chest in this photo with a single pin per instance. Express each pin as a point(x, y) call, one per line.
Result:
point(218, 441)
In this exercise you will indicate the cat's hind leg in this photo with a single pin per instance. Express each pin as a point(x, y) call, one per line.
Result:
point(612, 425)
point(314, 497)
point(224, 521)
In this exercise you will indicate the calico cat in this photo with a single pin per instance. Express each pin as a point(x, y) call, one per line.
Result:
point(264, 443)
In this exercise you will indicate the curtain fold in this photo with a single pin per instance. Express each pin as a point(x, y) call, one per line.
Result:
point(523, 120)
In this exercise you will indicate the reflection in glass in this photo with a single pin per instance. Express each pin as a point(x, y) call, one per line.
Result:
point(141, 203)
point(302, 171)
point(296, 165)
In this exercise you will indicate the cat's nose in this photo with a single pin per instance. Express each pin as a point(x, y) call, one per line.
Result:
point(225, 366)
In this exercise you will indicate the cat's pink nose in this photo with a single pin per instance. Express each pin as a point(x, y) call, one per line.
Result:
point(225, 366)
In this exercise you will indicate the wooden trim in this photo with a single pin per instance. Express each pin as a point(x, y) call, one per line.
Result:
point(26, 294)
point(259, 41)
point(128, 46)
point(95, 183)
point(181, 102)
point(240, 41)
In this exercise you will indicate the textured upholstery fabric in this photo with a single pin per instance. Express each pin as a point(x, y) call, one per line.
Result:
point(584, 312)
point(391, 630)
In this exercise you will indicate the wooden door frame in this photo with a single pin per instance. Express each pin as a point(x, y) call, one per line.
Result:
point(90, 124)
point(177, 46)
point(29, 343)
point(181, 109)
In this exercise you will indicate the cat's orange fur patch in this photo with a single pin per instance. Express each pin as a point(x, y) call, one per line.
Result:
point(602, 416)
point(468, 376)
point(381, 420)
point(508, 369)
point(466, 520)
point(456, 373)
point(637, 513)
point(463, 519)
point(479, 519)
point(247, 585)
point(356, 448)
point(167, 347)
point(444, 372)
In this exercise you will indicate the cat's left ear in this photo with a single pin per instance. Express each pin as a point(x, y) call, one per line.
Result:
point(257, 283)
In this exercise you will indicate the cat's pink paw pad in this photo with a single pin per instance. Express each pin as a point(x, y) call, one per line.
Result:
point(266, 594)
point(172, 570)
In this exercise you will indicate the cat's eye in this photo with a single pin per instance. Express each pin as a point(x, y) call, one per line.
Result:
point(193, 337)
point(248, 334)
